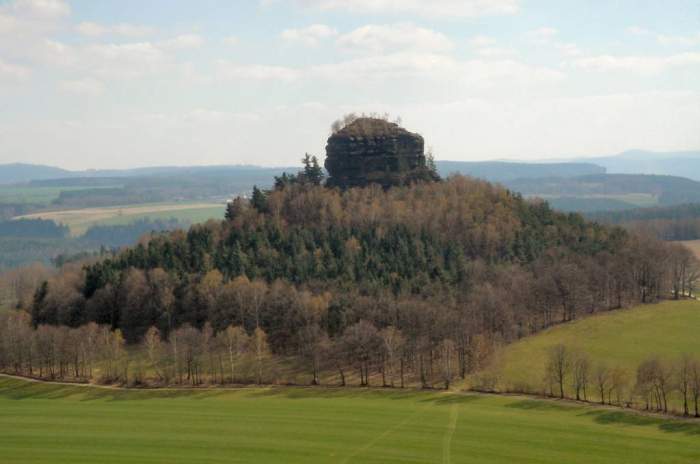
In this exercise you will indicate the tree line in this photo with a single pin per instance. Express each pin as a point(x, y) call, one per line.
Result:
point(572, 374)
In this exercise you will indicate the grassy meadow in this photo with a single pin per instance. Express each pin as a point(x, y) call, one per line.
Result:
point(53, 424)
point(79, 220)
point(621, 338)
point(37, 195)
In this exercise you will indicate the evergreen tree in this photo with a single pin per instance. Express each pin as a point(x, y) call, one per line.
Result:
point(313, 172)
point(259, 200)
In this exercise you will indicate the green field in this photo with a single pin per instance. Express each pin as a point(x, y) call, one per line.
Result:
point(43, 423)
point(620, 338)
point(37, 195)
point(79, 220)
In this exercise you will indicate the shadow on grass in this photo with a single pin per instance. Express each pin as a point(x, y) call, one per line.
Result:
point(541, 405)
point(687, 426)
point(14, 389)
point(424, 396)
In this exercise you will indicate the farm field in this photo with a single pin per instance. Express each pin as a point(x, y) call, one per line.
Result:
point(621, 338)
point(51, 423)
point(37, 195)
point(694, 245)
point(79, 220)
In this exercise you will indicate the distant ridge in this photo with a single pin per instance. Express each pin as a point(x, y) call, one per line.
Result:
point(676, 163)
point(21, 172)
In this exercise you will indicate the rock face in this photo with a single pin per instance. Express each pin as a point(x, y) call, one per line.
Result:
point(375, 151)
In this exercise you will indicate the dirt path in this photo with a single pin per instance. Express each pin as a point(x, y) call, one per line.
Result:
point(447, 440)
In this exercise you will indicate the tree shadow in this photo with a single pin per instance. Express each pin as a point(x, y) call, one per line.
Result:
point(541, 405)
point(15, 389)
point(687, 426)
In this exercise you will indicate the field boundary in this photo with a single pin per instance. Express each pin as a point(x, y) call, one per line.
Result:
point(242, 387)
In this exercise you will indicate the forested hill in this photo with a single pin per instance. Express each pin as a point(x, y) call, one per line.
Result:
point(457, 262)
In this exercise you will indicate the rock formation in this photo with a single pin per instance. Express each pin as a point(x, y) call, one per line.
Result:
point(371, 150)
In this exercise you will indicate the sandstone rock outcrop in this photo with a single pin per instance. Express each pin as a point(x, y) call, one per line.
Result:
point(371, 150)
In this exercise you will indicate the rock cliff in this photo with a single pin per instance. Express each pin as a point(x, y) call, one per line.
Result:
point(373, 150)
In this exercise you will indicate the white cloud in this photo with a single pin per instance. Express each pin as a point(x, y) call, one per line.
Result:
point(423, 8)
point(49, 9)
point(641, 64)
point(482, 41)
point(569, 49)
point(92, 29)
point(382, 38)
point(637, 30)
point(227, 70)
point(496, 52)
point(666, 39)
point(310, 36)
point(122, 61)
point(21, 19)
point(13, 72)
point(87, 86)
point(543, 34)
point(182, 42)
point(683, 41)
point(231, 40)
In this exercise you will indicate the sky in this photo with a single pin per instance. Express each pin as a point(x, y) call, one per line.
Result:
point(117, 84)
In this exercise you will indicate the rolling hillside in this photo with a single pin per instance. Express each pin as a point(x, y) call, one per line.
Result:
point(621, 339)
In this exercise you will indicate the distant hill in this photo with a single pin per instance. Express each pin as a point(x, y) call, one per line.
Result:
point(51, 176)
point(501, 171)
point(681, 163)
point(610, 191)
point(19, 172)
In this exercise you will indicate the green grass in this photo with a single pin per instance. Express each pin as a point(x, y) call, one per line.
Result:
point(44, 423)
point(193, 215)
point(37, 195)
point(620, 338)
point(79, 220)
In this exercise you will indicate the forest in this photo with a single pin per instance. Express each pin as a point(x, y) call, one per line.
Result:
point(421, 281)
point(680, 222)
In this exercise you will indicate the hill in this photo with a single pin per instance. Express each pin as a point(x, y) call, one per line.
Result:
point(295, 425)
point(619, 340)
point(503, 171)
point(409, 285)
point(19, 173)
point(681, 163)
point(631, 189)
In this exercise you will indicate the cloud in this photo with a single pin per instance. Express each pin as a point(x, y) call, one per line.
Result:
point(666, 39)
point(382, 38)
point(49, 9)
point(231, 40)
point(429, 72)
point(92, 29)
point(88, 86)
point(122, 61)
point(20, 19)
point(310, 36)
point(543, 34)
point(182, 42)
point(13, 72)
point(482, 41)
point(637, 30)
point(683, 41)
point(422, 8)
point(227, 70)
point(640, 64)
